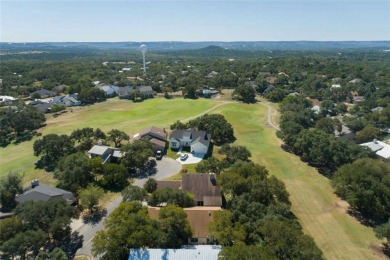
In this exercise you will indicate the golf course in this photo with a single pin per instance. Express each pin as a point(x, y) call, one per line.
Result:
point(321, 213)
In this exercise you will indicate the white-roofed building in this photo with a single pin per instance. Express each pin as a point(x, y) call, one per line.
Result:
point(201, 252)
point(381, 149)
point(107, 153)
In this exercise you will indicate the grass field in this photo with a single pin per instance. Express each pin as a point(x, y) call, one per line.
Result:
point(114, 113)
point(321, 213)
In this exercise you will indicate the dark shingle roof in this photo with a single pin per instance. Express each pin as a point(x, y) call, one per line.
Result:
point(204, 188)
point(44, 93)
point(168, 184)
point(44, 192)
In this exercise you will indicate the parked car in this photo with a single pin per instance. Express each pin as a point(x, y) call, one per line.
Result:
point(183, 157)
point(159, 155)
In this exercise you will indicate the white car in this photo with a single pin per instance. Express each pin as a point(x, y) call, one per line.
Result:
point(183, 157)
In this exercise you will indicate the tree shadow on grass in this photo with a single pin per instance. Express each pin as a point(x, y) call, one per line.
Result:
point(94, 217)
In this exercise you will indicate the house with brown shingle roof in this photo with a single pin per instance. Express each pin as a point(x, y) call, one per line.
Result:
point(202, 185)
point(199, 219)
point(156, 136)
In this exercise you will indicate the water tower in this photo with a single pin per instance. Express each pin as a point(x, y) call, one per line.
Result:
point(143, 49)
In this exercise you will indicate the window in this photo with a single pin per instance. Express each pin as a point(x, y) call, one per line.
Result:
point(194, 240)
point(173, 144)
point(200, 203)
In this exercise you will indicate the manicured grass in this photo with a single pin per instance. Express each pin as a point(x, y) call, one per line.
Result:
point(114, 113)
point(321, 213)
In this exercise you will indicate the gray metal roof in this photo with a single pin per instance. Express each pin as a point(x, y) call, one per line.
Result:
point(199, 252)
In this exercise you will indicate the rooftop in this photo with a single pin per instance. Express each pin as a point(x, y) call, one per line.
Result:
point(379, 148)
point(201, 252)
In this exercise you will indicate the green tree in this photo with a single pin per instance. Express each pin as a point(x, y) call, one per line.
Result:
point(216, 125)
point(288, 242)
point(84, 137)
point(175, 228)
point(234, 153)
point(369, 133)
point(171, 196)
point(136, 154)
point(117, 137)
point(241, 251)
point(328, 107)
point(9, 227)
point(74, 172)
point(52, 147)
point(328, 125)
point(90, 196)
point(128, 226)
point(245, 93)
point(178, 125)
point(341, 108)
point(133, 193)
point(114, 175)
point(211, 165)
point(24, 243)
point(224, 230)
point(53, 216)
point(383, 231)
point(365, 185)
point(10, 186)
point(150, 185)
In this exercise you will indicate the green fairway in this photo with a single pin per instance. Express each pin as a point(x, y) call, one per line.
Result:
point(114, 113)
point(321, 213)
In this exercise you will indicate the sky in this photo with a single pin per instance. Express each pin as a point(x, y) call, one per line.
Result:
point(188, 20)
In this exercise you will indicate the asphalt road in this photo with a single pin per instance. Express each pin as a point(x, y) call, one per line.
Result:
point(165, 168)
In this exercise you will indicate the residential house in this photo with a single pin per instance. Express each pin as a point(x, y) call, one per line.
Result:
point(315, 103)
point(42, 192)
point(271, 80)
point(203, 252)
point(42, 106)
point(356, 99)
point(381, 149)
point(7, 100)
point(202, 185)
point(107, 153)
point(377, 109)
point(68, 100)
point(197, 141)
point(335, 86)
point(129, 91)
point(199, 219)
point(212, 74)
point(354, 81)
point(42, 93)
point(156, 136)
point(109, 90)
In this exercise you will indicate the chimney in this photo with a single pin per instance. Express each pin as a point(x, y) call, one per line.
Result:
point(100, 143)
point(375, 141)
point(34, 183)
point(212, 179)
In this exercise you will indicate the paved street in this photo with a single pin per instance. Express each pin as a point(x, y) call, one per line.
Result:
point(165, 168)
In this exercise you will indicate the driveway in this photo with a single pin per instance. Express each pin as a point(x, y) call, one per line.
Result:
point(164, 168)
point(192, 158)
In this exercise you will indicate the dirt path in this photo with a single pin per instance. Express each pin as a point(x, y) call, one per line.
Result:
point(269, 115)
point(209, 110)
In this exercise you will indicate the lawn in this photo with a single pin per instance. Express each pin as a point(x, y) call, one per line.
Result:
point(321, 213)
point(114, 113)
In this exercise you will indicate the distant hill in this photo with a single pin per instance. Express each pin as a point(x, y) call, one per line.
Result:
point(175, 45)
point(212, 51)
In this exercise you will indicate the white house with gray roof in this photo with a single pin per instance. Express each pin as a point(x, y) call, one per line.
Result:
point(197, 141)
